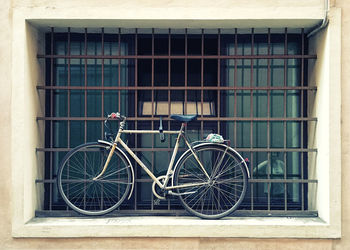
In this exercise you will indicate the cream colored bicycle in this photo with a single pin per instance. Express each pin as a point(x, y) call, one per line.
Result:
point(209, 178)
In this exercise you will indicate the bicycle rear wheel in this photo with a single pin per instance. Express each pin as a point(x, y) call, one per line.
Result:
point(221, 193)
point(76, 181)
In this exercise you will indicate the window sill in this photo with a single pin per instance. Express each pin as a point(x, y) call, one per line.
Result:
point(167, 226)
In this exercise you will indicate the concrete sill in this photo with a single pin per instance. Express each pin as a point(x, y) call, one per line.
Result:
point(167, 226)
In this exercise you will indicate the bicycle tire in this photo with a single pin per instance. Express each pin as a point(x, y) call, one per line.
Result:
point(94, 197)
point(218, 196)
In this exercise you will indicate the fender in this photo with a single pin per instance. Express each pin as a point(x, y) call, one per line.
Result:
point(216, 144)
point(127, 158)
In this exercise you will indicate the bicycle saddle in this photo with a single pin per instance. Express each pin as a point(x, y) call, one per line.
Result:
point(184, 118)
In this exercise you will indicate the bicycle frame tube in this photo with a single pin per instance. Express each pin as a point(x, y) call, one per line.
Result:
point(144, 167)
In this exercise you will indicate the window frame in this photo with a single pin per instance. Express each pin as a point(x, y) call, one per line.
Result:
point(327, 225)
point(234, 47)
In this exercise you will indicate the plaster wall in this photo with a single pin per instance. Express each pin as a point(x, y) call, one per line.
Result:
point(142, 9)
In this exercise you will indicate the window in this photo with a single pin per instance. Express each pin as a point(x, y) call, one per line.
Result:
point(250, 86)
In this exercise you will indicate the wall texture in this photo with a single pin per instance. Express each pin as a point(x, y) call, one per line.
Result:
point(186, 8)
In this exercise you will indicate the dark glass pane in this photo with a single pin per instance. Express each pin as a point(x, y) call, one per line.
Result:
point(194, 45)
point(61, 72)
point(227, 72)
point(144, 74)
point(177, 72)
point(110, 72)
point(60, 134)
point(227, 103)
point(277, 103)
point(161, 44)
point(94, 72)
point(60, 103)
point(277, 72)
point(77, 69)
point(111, 102)
point(210, 72)
point(276, 134)
point(243, 134)
point(177, 44)
point(260, 73)
point(260, 103)
point(259, 134)
point(194, 72)
point(144, 44)
point(210, 44)
point(244, 73)
point(77, 103)
point(94, 103)
point(77, 131)
point(93, 131)
point(243, 103)
point(161, 72)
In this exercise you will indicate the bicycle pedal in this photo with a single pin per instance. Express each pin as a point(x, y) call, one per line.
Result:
point(156, 202)
point(179, 194)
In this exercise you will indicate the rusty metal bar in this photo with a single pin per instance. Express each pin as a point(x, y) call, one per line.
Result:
point(218, 82)
point(202, 74)
point(85, 85)
point(298, 150)
point(281, 119)
point(51, 114)
point(186, 71)
point(311, 88)
point(179, 56)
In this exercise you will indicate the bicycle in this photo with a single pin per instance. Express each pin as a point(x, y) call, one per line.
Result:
point(209, 178)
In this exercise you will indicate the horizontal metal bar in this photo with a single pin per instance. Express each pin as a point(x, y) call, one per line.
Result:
point(297, 119)
point(149, 132)
point(133, 149)
point(40, 87)
point(180, 212)
point(148, 180)
point(282, 181)
point(297, 150)
point(281, 56)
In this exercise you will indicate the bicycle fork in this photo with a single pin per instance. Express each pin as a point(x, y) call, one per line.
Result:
point(111, 152)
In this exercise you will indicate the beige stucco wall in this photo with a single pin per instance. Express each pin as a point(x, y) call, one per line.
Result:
point(177, 10)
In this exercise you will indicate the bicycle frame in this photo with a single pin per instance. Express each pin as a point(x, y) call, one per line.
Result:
point(180, 134)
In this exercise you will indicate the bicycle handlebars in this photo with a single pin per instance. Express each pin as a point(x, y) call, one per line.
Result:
point(117, 116)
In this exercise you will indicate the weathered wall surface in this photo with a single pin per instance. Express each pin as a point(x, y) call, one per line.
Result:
point(183, 9)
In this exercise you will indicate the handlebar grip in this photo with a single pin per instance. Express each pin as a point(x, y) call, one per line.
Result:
point(116, 115)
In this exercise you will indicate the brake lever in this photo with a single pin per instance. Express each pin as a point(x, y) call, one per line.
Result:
point(161, 133)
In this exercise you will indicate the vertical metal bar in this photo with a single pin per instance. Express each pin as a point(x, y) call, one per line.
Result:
point(269, 83)
point(102, 69)
point(186, 46)
point(152, 77)
point(285, 116)
point(169, 74)
point(235, 91)
point(119, 68)
point(152, 115)
point(103, 79)
point(85, 85)
point(218, 81)
point(136, 115)
point(51, 114)
point(169, 100)
point(68, 83)
point(202, 71)
point(302, 115)
point(136, 71)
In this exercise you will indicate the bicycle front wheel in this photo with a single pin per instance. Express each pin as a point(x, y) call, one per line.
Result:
point(76, 181)
point(219, 191)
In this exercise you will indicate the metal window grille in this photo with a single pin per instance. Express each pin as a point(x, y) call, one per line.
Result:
point(247, 85)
